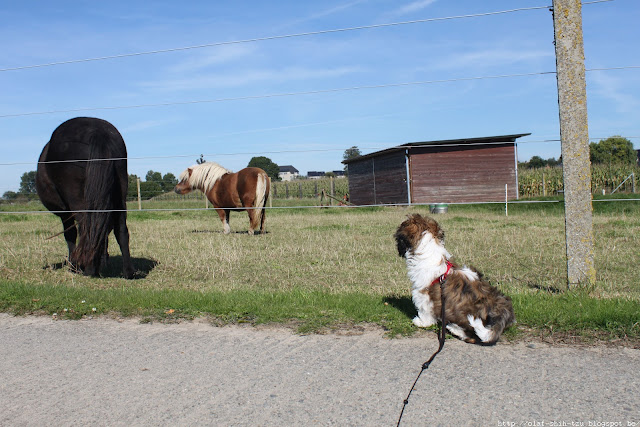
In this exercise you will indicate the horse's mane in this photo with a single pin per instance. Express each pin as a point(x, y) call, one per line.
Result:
point(204, 175)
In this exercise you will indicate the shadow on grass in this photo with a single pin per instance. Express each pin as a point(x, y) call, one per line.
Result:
point(256, 233)
point(533, 285)
point(141, 266)
point(402, 304)
point(549, 289)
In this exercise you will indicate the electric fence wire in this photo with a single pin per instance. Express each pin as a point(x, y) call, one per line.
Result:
point(378, 205)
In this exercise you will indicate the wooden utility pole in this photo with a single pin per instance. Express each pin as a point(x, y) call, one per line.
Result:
point(574, 134)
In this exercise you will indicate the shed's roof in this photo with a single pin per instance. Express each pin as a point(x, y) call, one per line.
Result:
point(463, 141)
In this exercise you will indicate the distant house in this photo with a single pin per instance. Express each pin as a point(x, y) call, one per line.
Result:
point(323, 174)
point(288, 173)
point(446, 171)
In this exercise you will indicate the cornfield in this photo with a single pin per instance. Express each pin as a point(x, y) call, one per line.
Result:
point(298, 189)
point(604, 179)
point(309, 188)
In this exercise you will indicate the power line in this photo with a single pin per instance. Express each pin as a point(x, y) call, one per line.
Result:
point(285, 36)
point(275, 95)
point(310, 92)
point(278, 37)
point(245, 153)
point(613, 68)
point(324, 150)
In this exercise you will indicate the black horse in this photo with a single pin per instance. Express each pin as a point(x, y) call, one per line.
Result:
point(82, 178)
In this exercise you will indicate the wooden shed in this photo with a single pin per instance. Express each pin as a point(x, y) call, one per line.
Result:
point(448, 171)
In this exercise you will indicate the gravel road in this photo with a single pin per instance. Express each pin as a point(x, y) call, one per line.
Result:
point(121, 373)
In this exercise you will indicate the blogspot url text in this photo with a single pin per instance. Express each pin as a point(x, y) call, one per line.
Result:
point(541, 423)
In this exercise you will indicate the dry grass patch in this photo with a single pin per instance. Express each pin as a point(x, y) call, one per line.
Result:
point(330, 250)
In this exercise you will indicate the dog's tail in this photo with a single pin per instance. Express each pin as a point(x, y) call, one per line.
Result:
point(495, 324)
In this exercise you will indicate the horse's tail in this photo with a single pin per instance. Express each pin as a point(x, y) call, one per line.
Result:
point(262, 194)
point(100, 180)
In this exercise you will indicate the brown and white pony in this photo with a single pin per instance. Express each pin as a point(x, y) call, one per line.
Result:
point(248, 189)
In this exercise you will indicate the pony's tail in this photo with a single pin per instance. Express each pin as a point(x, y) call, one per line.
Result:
point(262, 194)
point(95, 225)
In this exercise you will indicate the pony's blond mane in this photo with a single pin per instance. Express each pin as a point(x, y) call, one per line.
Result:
point(203, 176)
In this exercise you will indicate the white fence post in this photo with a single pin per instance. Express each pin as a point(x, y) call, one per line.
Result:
point(506, 199)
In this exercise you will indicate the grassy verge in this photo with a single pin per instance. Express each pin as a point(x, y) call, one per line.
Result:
point(320, 269)
point(306, 310)
point(573, 314)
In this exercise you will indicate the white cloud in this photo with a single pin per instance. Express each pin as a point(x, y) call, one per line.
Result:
point(143, 125)
point(213, 56)
point(491, 58)
point(615, 90)
point(414, 7)
point(222, 80)
point(333, 10)
point(322, 14)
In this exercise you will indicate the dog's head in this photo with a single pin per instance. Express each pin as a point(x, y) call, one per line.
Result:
point(410, 232)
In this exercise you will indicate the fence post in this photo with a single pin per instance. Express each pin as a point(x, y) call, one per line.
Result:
point(574, 136)
point(270, 190)
point(633, 182)
point(333, 190)
point(286, 188)
point(139, 196)
point(506, 200)
point(544, 185)
point(300, 189)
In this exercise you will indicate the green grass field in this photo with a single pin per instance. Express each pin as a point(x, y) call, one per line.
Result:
point(320, 269)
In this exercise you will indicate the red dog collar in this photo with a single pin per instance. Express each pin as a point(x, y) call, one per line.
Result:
point(444, 276)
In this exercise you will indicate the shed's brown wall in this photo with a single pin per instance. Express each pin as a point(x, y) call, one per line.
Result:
point(462, 174)
point(379, 180)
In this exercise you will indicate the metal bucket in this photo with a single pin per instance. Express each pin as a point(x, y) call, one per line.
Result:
point(439, 208)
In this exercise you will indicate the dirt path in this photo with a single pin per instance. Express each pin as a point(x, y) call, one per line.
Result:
point(105, 372)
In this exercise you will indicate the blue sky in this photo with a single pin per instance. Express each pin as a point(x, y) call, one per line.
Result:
point(308, 131)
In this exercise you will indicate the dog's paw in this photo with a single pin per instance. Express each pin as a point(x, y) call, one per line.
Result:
point(423, 323)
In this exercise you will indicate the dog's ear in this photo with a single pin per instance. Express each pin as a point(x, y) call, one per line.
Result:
point(434, 228)
point(402, 242)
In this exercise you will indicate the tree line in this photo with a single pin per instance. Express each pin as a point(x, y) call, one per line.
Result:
point(154, 183)
point(614, 150)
